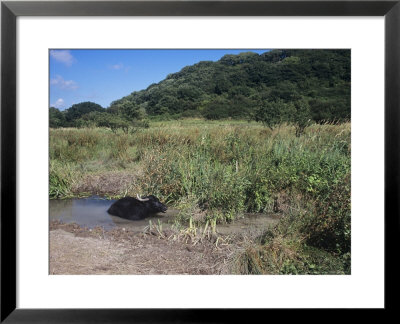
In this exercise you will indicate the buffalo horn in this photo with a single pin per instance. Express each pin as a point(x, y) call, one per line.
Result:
point(141, 199)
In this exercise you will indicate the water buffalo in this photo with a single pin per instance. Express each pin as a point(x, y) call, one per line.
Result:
point(137, 208)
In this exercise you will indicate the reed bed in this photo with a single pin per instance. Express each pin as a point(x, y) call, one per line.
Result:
point(215, 171)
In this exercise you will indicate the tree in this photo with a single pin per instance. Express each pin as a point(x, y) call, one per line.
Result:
point(78, 110)
point(216, 109)
point(274, 113)
point(56, 118)
point(241, 106)
point(114, 122)
point(285, 90)
point(128, 110)
point(117, 122)
point(91, 119)
point(302, 118)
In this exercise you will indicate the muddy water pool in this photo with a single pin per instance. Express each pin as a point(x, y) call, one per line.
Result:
point(92, 212)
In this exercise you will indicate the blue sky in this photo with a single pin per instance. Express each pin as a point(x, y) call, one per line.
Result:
point(103, 76)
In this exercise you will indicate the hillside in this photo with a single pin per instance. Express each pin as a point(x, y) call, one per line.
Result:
point(236, 85)
point(293, 86)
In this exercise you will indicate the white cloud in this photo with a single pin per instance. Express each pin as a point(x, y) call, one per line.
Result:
point(63, 56)
point(59, 103)
point(118, 66)
point(63, 84)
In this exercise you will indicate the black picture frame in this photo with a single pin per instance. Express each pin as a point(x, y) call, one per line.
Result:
point(10, 10)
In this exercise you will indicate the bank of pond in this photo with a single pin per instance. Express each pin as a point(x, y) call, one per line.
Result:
point(92, 212)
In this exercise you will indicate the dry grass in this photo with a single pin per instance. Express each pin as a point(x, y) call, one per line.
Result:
point(74, 250)
point(109, 183)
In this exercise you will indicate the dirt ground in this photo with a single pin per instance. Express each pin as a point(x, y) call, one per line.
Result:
point(76, 250)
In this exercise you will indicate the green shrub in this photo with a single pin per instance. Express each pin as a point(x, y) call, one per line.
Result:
point(229, 166)
point(216, 170)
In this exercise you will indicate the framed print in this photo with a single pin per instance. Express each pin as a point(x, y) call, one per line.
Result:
point(186, 145)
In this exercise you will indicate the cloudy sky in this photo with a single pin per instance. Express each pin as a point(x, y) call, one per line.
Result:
point(103, 76)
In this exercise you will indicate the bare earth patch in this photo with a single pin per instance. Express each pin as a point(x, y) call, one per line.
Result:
point(75, 250)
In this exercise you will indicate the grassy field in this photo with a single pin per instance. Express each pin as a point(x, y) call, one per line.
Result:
point(215, 171)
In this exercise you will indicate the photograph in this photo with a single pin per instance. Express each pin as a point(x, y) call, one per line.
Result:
point(167, 161)
point(203, 161)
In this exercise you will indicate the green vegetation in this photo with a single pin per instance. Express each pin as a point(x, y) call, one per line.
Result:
point(250, 133)
point(125, 117)
point(216, 171)
point(238, 86)
point(280, 86)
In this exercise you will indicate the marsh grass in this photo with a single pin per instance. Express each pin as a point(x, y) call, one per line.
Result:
point(214, 171)
point(229, 166)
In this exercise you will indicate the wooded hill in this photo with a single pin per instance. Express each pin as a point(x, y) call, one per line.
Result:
point(273, 87)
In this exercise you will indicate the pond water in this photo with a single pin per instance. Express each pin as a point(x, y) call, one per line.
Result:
point(92, 212)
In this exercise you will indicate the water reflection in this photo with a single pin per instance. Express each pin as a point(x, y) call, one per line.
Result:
point(92, 212)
